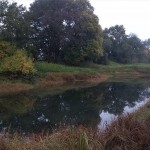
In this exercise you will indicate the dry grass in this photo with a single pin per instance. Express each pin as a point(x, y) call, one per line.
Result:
point(143, 114)
point(50, 79)
point(126, 133)
point(11, 88)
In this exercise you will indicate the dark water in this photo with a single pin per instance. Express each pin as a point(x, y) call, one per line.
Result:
point(90, 106)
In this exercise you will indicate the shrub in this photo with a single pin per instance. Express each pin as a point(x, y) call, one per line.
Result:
point(6, 49)
point(19, 63)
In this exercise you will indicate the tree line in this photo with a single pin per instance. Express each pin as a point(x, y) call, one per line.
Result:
point(64, 31)
point(123, 48)
point(68, 32)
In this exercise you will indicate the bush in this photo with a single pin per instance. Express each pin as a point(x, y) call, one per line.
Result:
point(6, 49)
point(19, 63)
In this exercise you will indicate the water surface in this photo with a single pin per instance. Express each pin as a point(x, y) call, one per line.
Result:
point(89, 106)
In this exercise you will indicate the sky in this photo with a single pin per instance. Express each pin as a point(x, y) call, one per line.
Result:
point(133, 14)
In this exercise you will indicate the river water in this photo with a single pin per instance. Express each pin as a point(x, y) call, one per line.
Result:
point(48, 109)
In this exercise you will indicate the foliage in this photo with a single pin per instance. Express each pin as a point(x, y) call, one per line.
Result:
point(147, 44)
point(15, 25)
point(123, 48)
point(18, 63)
point(72, 37)
point(83, 142)
point(6, 49)
point(49, 33)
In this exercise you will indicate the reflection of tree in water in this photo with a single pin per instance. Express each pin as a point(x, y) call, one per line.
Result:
point(13, 107)
point(119, 95)
point(81, 106)
point(74, 106)
point(16, 105)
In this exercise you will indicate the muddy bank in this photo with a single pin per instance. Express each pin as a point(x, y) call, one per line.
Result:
point(55, 80)
point(51, 81)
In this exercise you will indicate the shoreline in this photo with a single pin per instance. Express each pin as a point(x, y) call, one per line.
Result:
point(56, 80)
point(51, 80)
point(126, 132)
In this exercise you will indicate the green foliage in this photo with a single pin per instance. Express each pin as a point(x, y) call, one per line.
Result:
point(87, 44)
point(72, 37)
point(14, 25)
point(72, 57)
point(6, 50)
point(83, 142)
point(49, 33)
point(123, 48)
point(18, 63)
point(147, 44)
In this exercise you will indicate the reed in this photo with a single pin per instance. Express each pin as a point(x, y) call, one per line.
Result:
point(125, 133)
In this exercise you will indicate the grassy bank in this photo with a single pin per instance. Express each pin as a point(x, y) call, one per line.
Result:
point(113, 68)
point(55, 75)
point(126, 133)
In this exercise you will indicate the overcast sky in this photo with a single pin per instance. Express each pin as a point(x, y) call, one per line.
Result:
point(133, 14)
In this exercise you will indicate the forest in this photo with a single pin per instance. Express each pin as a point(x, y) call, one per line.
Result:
point(64, 32)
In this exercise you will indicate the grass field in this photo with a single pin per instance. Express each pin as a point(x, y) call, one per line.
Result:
point(44, 67)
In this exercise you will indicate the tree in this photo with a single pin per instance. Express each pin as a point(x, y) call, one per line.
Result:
point(136, 48)
point(66, 31)
point(113, 39)
point(121, 47)
point(147, 44)
point(3, 8)
point(14, 24)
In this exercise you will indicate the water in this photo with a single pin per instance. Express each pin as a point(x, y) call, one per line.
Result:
point(90, 106)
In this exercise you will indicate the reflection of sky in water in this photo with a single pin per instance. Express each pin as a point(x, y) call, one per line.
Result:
point(42, 118)
point(107, 118)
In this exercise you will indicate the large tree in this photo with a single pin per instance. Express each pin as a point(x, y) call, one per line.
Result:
point(14, 25)
point(147, 44)
point(66, 30)
point(121, 47)
point(113, 39)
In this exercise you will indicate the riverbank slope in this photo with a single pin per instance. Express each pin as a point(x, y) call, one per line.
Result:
point(56, 75)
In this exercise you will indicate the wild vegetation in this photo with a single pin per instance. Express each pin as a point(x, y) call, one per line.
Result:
point(56, 36)
point(61, 42)
point(125, 133)
point(49, 33)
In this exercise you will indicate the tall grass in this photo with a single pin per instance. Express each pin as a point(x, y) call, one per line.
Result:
point(126, 133)
point(45, 67)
